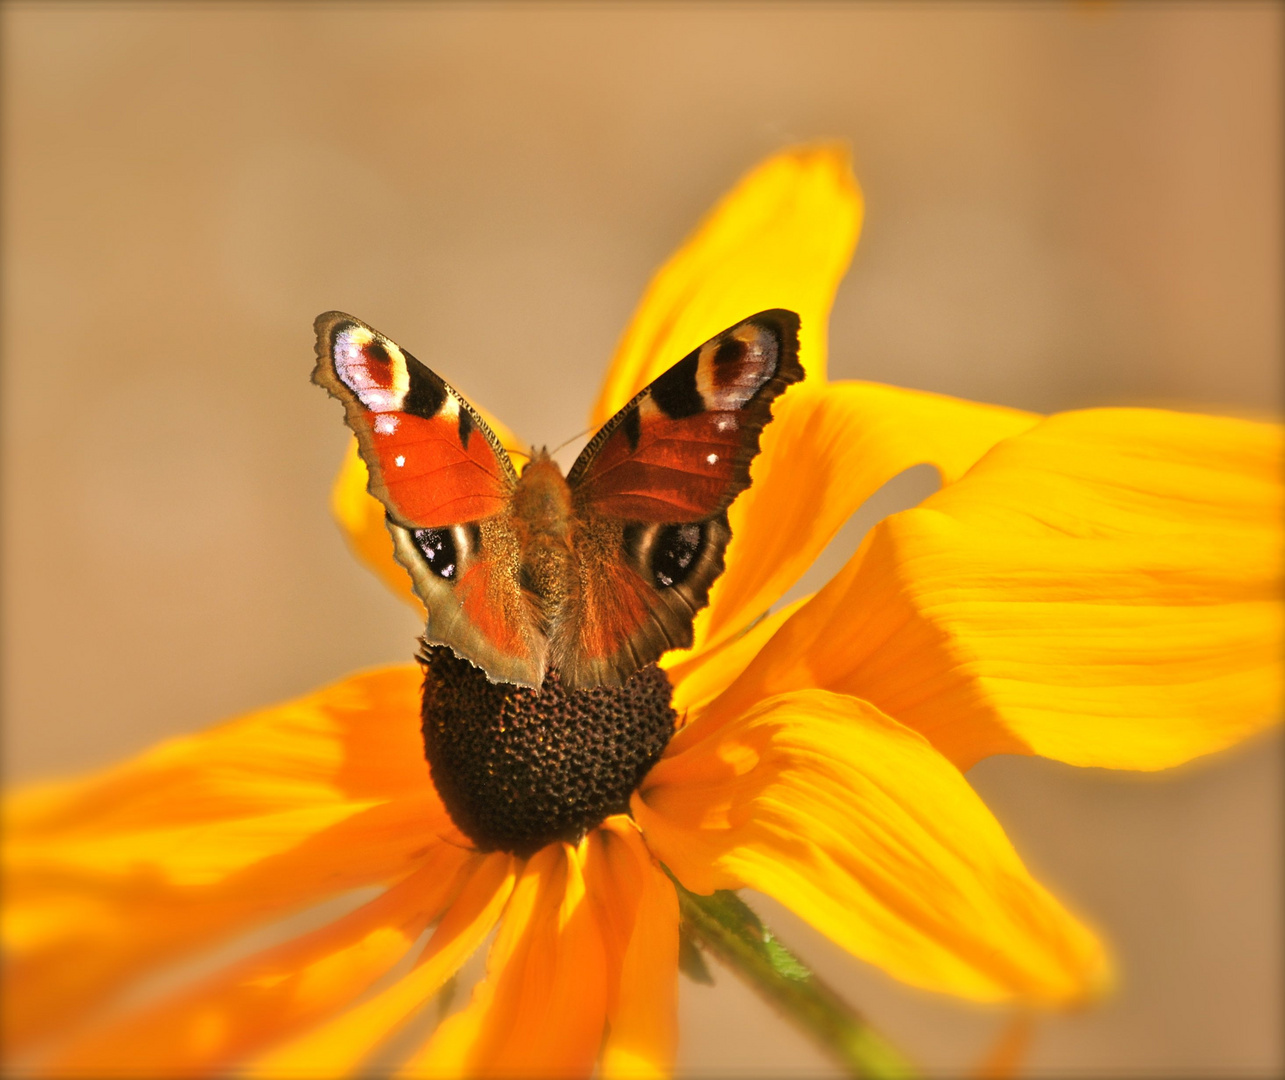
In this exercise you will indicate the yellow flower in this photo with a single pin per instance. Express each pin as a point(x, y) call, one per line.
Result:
point(1102, 587)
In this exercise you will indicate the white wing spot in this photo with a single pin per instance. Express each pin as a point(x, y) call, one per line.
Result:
point(712, 458)
point(725, 423)
point(353, 366)
point(399, 460)
point(385, 423)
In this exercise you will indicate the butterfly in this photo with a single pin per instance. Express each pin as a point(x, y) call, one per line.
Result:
point(594, 574)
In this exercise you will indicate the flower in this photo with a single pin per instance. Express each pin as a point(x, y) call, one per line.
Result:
point(1101, 587)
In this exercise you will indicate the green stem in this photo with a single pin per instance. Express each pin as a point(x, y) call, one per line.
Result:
point(723, 925)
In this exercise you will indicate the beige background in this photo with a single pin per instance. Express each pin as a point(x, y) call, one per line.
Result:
point(1067, 205)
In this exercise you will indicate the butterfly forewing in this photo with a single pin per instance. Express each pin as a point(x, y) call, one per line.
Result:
point(656, 482)
point(433, 461)
point(446, 483)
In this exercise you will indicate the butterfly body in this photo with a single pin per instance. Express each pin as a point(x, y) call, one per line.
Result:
point(543, 516)
point(596, 573)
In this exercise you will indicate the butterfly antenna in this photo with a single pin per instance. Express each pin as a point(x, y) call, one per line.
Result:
point(568, 442)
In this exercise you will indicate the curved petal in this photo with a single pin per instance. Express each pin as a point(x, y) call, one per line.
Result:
point(361, 516)
point(340, 1046)
point(268, 996)
point(828, 449)
point(782, 238)
point(540, 1009)
point(1104, 589)
point(858, 825)
point(111, 875)
point(698, 677)
point(638, 911)
point(75, 938)
point(355, 739)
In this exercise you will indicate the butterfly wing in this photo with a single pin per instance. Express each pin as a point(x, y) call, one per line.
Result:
point(651, 491)
point(446, 483)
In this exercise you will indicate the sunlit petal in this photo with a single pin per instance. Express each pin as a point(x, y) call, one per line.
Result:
point(355, 739)
point(861, 827)
point(109, 876)
point(638, 911)
point(272, 994)
point(829, 449)
point(540, 1009)
point(782, 238)
point(340, 1046)
point(1105, 589)
point(699, 676)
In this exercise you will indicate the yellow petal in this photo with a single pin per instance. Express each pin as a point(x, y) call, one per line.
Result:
point(339, 1047)
point(356, 739)
point(638, 911)
point(74, 936)
point(699, 676)
point(198, 809)
point(541, 1007)
point(1104, 589)
point(861, 827)
point(184, 856)
point(828, 449)
point(271, 995)
point(782, 237)
point(361, 516)
point(110, 875)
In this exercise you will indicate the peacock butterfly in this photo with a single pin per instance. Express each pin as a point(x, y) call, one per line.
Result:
point(595, 574)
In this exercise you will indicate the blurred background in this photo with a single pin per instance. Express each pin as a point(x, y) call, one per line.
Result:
point(1067, 205)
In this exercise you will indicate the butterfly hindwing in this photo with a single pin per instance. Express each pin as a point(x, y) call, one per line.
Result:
point(446, 483)
point(639, 595)
point(651, 491)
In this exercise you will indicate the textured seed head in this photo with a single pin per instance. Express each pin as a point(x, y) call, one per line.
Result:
point(520, 768)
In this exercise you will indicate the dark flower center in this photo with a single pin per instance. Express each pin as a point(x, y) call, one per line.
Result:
point(520, 768)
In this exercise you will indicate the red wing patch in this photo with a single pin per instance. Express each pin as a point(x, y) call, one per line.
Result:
point(639, 593)
point(493, 607)
point(433, 461)
point(681, 450)
point(613, 608)
point(467, 577)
